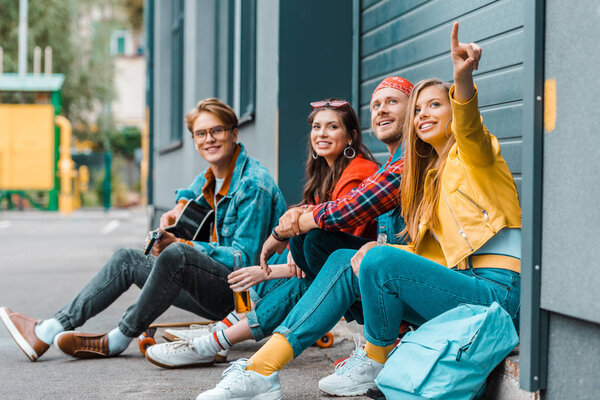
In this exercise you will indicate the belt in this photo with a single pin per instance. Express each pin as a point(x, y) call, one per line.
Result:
point(491, 261)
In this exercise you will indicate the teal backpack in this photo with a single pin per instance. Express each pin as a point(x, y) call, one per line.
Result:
point(450, 356)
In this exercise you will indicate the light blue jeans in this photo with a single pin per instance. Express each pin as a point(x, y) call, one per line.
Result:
point(278, 297)
point(394, 286)
point(397, 285)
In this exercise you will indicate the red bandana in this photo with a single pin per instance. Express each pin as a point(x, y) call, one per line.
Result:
point(395, 82)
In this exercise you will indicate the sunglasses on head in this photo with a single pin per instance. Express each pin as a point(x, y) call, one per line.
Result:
point(325, 103)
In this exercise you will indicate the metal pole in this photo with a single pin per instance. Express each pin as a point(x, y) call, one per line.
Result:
point(48, 61)
point(23, 7)
point(37, 60)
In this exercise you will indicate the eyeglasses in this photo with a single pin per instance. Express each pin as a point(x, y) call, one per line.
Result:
point(217, 132)
point(325, 103)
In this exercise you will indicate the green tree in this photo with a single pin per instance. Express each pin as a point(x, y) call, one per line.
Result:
point(79, 33)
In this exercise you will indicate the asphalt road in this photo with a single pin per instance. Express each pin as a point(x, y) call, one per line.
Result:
point(45, 259)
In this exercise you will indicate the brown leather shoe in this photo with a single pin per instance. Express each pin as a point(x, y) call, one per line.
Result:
point(82, 345)
point(21, 328)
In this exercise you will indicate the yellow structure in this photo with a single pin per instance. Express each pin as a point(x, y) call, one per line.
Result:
point(66, 166)
point(26, 147)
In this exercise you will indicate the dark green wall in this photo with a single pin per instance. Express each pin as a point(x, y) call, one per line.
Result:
point(315, 62)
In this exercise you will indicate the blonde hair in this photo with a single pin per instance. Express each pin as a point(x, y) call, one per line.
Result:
point(215, 107)
point(420, 157)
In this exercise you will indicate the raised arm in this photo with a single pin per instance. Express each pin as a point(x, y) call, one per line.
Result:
point(465, 59)
point(474, 142)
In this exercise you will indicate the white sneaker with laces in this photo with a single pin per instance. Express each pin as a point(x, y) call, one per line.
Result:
point(354, 376)
point(196, 331)
point(238, 383)
point(179, 354)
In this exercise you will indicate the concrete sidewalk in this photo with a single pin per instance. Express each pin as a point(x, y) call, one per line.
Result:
point(45, 259)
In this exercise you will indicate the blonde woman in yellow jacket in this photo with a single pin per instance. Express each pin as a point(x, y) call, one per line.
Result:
point(463, 224)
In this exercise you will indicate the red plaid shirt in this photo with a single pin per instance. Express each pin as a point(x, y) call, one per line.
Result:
point(376, 195)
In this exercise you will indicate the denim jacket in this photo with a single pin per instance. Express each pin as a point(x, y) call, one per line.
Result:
point(391, 223)
point(245, 216)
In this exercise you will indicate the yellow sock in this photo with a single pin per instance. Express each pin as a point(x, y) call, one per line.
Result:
point(272, 356)
point(378, 353)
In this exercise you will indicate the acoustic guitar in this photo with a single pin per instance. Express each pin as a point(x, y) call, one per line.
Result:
point(194, 223)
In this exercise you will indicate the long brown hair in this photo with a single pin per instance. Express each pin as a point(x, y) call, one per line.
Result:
point(420, 203)
point(321, 178)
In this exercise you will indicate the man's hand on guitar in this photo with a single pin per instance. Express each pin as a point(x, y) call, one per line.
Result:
point(165, 240)
point(171, 216)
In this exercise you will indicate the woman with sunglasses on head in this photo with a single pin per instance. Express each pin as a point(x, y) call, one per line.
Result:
point(337, 163)
point(463, 223)
point(190, 275)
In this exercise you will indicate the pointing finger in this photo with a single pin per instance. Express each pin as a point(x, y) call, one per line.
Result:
point(454, 36)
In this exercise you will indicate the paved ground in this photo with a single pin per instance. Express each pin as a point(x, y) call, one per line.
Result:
point(45, 259)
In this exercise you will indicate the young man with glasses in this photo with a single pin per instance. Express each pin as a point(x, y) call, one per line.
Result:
point(189, 275)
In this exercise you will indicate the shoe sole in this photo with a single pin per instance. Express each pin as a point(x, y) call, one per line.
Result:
point(359, 390)
point(167, 366)
point(16, 335)
point(269, 396)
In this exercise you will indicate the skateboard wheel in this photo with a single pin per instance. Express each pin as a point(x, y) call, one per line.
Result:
point(326, 341)
point(144, 343)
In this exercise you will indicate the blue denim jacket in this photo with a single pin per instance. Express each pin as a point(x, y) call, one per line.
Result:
point(392, 223)
point(245, 216)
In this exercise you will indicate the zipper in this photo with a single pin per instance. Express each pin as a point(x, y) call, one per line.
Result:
point(460, 230)
point(466, 346)
point(470, 200)
point(482, 210)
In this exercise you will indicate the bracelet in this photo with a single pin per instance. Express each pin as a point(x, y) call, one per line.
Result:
point(276, 236)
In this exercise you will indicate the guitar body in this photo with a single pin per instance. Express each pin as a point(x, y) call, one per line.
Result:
point(195, 223)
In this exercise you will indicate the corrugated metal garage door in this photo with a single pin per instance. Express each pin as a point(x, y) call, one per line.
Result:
point(411, 38)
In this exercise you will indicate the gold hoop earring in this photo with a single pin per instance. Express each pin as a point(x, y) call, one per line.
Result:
point(425, 156)
point(446, 128)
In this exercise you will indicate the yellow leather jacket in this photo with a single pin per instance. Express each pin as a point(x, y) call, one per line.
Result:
point(478, 194)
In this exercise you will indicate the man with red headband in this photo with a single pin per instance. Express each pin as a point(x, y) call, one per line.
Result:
point(334, 290)
point(377, 196)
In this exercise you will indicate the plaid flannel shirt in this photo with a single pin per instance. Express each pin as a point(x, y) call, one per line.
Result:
point(376, 195)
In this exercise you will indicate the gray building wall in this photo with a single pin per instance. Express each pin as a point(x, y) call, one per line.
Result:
point(206, 44)
point(411, 38)
point(571, 220)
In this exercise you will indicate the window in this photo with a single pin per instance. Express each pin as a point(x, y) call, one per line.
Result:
point(176, 80)
point(244, 59)
point(118, 41)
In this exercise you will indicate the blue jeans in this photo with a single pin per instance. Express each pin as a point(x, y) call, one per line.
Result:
point(278, 297)
point(397, 285)
point(436, 287)
point(180, 276)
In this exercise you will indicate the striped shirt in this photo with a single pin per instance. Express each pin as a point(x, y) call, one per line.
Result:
point(376, 195)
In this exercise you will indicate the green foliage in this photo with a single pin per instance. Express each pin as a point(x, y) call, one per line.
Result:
point(126, 141)
point(79, 32)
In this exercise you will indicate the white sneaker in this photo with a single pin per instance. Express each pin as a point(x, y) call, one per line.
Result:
point(195, 331)
point(238, 383)
point(354, 376)
point(179, 355)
